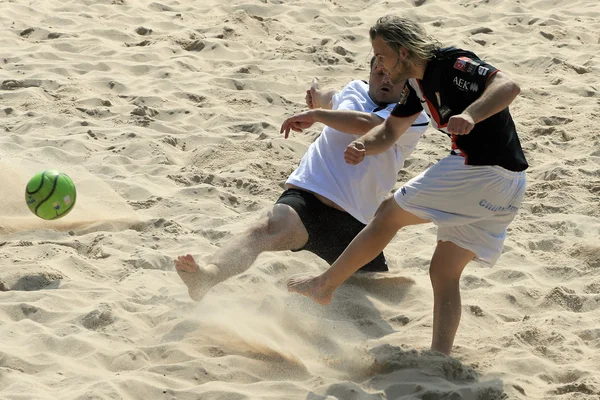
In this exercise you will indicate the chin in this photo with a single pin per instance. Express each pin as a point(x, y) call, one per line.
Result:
point(385, 100)
point(397, 79)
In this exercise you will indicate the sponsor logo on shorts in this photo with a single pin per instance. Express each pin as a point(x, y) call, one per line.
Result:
point(495, 208)
point(403, 191)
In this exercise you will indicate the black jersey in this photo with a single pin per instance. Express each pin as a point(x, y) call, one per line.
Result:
point(454, 79)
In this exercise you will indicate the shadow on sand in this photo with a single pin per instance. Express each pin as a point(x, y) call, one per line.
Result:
point(399, 374)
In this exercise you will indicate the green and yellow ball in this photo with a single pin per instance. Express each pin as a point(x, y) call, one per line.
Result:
point(50, 194)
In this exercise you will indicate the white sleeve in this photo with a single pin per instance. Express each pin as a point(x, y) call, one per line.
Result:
point(341, 98)
point(335, 100)
point(385, 112)
point(409, 139)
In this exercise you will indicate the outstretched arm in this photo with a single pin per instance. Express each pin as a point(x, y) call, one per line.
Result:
point(378, 139)
point(346, 121)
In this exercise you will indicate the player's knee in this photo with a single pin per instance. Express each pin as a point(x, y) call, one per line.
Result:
point(383, 210)
point(443, 275)
point(259, 228)
point(387, 214)
point(277, 225)
point(281, 220)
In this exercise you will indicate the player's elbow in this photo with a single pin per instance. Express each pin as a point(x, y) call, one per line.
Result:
point(511, 87)
point(368, 123)
point(500, 82)
point(514, 88)
point(375, 122)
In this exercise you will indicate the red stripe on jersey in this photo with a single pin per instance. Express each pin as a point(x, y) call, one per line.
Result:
point(454, 146)
point(432, 109)
point(437, 119)
point(460, 152)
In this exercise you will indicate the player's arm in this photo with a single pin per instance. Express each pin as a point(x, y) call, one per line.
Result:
point(378, 139)
point(348, 121)
point(499, 92)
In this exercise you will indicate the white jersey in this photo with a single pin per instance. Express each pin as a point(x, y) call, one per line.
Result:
point(358, 189)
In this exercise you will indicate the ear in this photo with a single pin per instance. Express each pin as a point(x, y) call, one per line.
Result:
point(403, 53)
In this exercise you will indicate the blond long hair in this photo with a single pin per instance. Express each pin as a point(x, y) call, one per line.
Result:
point(402, 32)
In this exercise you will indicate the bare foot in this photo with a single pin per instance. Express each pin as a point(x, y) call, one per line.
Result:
point(198, 279)
point(313, 287)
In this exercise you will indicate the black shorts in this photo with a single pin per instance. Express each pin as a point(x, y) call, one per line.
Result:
point(330, 230)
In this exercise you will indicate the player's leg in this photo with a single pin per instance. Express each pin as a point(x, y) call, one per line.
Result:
point(448, 262)
point(367, 245)
point(331, 230)
point(490, 197)
point(280, 228)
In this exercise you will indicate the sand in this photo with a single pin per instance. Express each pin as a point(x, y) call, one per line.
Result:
point(167, 117)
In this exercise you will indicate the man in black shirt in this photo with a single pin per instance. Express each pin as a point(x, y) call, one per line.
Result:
point(472, 195)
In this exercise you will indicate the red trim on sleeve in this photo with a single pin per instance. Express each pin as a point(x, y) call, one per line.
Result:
point(492, 74)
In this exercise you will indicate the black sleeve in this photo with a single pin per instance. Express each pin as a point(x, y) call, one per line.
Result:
point(409, 103)
point(470, 74)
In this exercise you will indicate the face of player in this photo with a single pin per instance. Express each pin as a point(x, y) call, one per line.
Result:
point(394, 64)
point(381, 90)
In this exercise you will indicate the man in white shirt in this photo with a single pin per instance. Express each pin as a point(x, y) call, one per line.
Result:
point(327, 202)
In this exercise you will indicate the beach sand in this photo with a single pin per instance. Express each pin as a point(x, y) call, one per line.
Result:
point(166, 115)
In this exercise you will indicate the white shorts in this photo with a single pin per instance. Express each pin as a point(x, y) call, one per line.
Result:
point(471, 205)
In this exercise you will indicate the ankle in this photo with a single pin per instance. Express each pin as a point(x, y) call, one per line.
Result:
point(442, 348)
point(325, 282)
point(213, 270)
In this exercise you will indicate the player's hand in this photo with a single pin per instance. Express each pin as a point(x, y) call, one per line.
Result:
point(461, 124)
point(312, 95)
point(355, 153)
point(297, 123)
